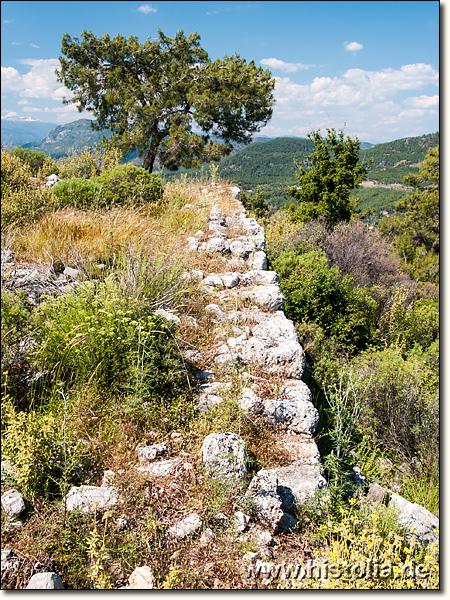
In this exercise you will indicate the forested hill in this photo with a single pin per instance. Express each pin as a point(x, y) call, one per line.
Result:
point(271, 164)
point(393, 160)
point(71, 137)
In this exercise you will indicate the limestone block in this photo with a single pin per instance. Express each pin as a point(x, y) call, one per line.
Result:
point(225, 456)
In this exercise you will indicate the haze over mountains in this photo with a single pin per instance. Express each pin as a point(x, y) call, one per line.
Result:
point(18, 131)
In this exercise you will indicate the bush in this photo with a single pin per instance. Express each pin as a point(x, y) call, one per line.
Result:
point(22, 200)
point(402, 405)
point(78, 192)
point(96, 334)
point(16, 330)
point(362, 253)
point(284, 235)
point(127, 184)
point(124, 184)
point(315, 292)
point(40, 164)
point(408, 322)
point(15, 173)
point(31, 442)
point(368, 549)
point(256, 203)
point(89, 162)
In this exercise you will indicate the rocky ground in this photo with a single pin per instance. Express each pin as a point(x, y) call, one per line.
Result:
point(254, 349)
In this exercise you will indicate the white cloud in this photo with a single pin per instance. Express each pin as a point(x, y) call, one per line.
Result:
point(286, 67)
point(60, 114)
point(34, 46)
point(6, 114)
point(372, 102)
point(147, 9)
point(423, 101)
point(353, 46)
point(38, 82)
point(10, 78)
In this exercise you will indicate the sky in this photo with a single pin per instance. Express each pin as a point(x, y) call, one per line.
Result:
point(370, 68)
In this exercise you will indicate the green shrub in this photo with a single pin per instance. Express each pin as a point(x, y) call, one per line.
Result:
point(32, 443)
point(409, 322)
point(401, 412)
point(124, 184)
point(15, 172)
point(315, 292)
point(96, 334)
point(127, 184)
point(256, 203)
point(16, 330)
point(22, 200)
point(40, 164)
point(89, 162)
point(78, 192)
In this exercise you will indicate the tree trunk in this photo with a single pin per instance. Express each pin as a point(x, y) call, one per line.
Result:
point(149, 161)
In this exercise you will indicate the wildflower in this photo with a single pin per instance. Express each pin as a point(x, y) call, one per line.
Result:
point(352, 501)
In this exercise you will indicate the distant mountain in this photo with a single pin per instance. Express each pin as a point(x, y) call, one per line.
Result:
point(366, 145)
point(271, 165)
point(393, 160)
point(69, 138)
point(17, 131)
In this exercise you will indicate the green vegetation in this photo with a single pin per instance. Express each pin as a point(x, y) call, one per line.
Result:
point(159, 90)
point(22, 199)
point(414, 228)
point(89, 374)
point(124, 184)
point(362, 308)
point(333, 170)
point(376, 200)
point(404, 153)
point(269, 164)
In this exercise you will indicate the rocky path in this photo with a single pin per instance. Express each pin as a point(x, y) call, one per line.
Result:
point(254, 354)
point(247, 298)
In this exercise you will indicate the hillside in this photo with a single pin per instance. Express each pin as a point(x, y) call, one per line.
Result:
point(271, 165)
point(269, 162)
point(16, 132)
point(68, 138)
point(167, 364)
point(393, 160)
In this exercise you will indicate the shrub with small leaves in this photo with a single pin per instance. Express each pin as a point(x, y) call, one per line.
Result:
point(22, 200)
point(89, 162)
point(127, 184)
point(94, 333)
point(32, 443)
point(78, 192)
point(16, 334)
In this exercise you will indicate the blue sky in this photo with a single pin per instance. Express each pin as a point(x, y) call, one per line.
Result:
point(371, 66)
